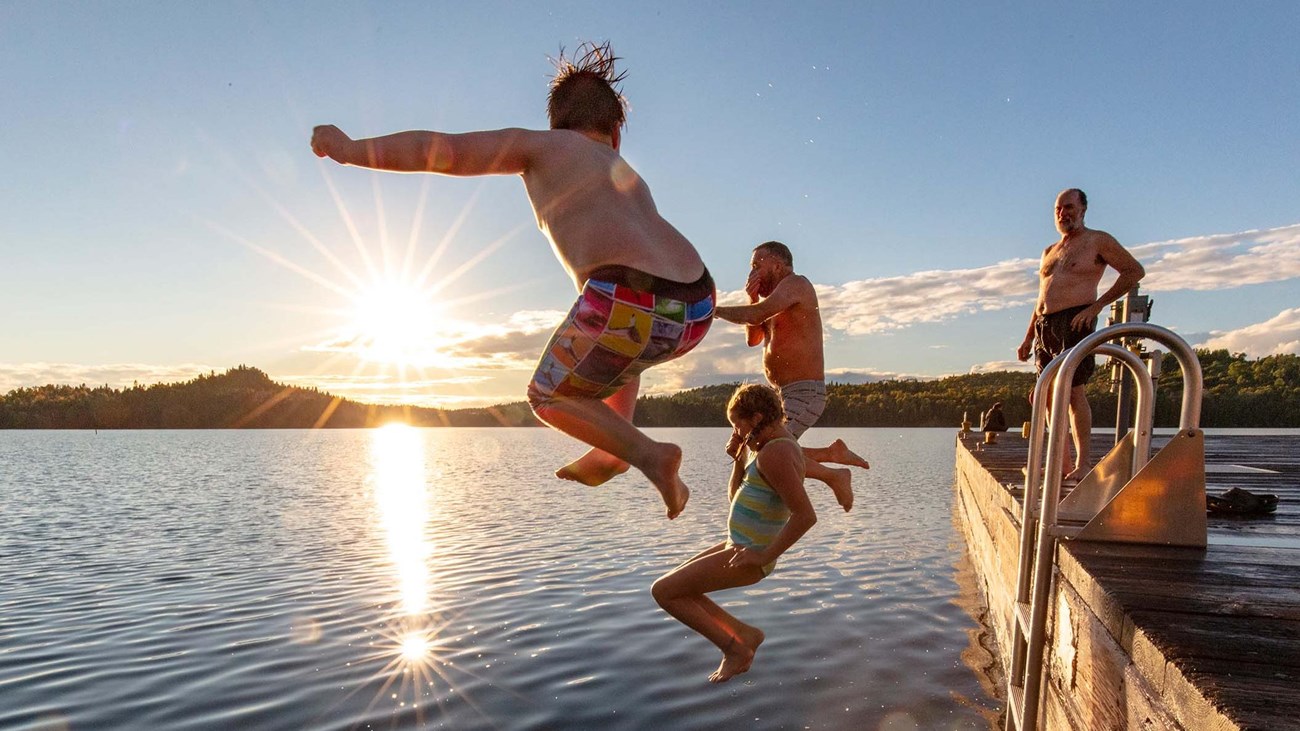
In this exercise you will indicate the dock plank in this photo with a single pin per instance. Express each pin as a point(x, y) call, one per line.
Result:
point(1227, 618)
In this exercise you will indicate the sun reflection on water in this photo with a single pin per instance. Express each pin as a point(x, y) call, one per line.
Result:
point(410, 646)
point(414, 647)
point(397, 453)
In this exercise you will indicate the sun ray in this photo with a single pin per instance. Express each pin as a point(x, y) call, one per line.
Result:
point(240, 173)
point(445, 242)
point(417, 224)
point(303, 309)
point(263, 407)
point(357, 240)
point(277, 258)
point(381, 220)
point(487, 294)
point(473, 261)
point(419, 341)
point(327, 412)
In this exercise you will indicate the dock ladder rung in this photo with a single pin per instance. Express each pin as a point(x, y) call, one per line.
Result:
point(1015, 703)
point(1066, 531)
point(1022, 615)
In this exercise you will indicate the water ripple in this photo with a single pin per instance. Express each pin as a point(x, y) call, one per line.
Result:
point(443, 579)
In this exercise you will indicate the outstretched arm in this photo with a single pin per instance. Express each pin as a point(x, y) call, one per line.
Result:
point(499, 152)
point(786, 295)
point(1130, 271)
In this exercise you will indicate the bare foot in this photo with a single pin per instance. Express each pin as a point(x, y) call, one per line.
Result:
point(663, 474)
point(841, 483)
point(596, 467)
point(1077, 474)
point(736, 659)
point(841, 454)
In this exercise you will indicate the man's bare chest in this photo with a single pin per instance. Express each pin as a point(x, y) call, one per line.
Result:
point(1072, 259)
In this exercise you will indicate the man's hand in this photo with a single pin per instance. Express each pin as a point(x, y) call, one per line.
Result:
point(329, 141)
point(1022, 353)
point(754, 334)
point(1086, 318)
point(754, 287)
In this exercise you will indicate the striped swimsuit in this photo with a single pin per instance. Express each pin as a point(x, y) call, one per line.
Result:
point(757, 512)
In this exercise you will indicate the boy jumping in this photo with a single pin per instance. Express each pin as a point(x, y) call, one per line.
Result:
point(645, 296)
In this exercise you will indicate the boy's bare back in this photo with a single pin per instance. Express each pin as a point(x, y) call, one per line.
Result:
point(598, 214)
point(597, 211)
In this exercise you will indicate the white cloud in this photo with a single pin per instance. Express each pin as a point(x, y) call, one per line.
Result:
point(114, 375)
point(1279, 334)
point(1221, 261)
point(513, 344)
point(871, 306)
point(856, 376)
point(1002, 365)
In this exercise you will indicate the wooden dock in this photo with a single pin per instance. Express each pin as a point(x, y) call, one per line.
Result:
point(1152, 637)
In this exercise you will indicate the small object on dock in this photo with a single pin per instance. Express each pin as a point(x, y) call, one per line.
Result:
point(1237, 501)
point(1024, 430)
point(965, 424)
point(990, 437)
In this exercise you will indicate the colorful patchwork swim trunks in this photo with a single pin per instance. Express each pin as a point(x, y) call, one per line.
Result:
point(623, 322)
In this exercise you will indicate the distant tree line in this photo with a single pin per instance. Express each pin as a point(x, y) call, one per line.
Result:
point(1238, 392)
point(242, 397)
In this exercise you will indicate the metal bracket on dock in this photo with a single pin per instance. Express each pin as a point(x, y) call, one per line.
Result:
point(1163, 503)
point(1105, 481)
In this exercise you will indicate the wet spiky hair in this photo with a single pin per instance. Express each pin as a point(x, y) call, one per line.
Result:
point(584, 93)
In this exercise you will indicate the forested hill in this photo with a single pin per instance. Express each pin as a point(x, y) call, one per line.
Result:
point(1238, 393)
point(242, 397)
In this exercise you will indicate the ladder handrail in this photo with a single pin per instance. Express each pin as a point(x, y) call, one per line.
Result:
point(1190, 416)
point(1027, 579)
point(1060, 373)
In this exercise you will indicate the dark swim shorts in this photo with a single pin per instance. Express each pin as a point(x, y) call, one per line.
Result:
point(623, 322)
point(1053, 336)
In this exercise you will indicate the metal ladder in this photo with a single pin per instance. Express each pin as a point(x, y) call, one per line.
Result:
point(1126, 498)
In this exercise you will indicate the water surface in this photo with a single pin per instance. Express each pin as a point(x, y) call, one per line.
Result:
point(442, 578)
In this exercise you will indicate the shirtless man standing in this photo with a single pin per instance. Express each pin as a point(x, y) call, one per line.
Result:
point(784, 316)
point(645, 296)
point(1067, 308)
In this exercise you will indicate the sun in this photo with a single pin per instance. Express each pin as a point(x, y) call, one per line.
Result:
point(396, 323)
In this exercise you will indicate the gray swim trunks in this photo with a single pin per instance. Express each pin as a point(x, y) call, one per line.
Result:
point(804, 402)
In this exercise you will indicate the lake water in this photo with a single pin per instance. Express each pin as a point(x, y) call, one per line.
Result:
point(442, 578)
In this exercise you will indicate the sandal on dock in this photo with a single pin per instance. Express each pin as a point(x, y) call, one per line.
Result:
point(1240, 502)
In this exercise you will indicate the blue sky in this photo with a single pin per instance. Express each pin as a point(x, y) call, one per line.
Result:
point(162, 215)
